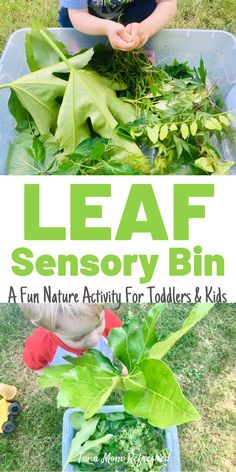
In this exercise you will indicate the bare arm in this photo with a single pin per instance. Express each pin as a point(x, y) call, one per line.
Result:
point(164, 12)
point(89, 24)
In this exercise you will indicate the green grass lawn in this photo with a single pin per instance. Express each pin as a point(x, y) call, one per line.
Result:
point(202, 14)
point(204, 362)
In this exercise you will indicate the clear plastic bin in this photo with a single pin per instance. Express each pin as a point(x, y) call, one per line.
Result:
point(171, 439)
point(217, 48)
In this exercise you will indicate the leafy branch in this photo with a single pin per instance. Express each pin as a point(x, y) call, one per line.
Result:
point(150, 389)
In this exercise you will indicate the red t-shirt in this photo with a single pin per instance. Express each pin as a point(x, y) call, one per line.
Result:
point(41, 346)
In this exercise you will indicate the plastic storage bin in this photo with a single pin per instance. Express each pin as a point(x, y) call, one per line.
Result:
point(171, 439)
point(217, 48)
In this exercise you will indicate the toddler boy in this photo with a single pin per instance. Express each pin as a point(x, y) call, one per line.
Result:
point(128, 24)
point(66, 329)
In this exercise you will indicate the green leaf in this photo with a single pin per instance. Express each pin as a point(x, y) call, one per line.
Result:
point(153, 133)
point(161, 105)
point(99, 149)
point(216, 123)
point(53, 376)
point(202, 72)
point(205, 163)
point(18, 112)
point(184, 130)
point(77, 420)
point(193, 128)
point(19, 162)
point(223, 168)
point(161, 401)
point(87, 388)
point(37, 92)
point(92, 446)
point(224, 120)
point(178, 144)
point(113, 168)
point(88, 428)
point(131, 343)
point(93, 358)
point(209, 125)
point(37, 150)
point(183, 169)
point(173, 127)
point(178, 69)
point(213, 124)
point(115, 416)
point(197, 313)
point(39, 54)
point(163, 132)
point(231, 117)
point(90, 96)
point(28, 155)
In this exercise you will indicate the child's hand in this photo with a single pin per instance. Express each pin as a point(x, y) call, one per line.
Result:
point(119, 36)
point(124, 371)
point(139, 34)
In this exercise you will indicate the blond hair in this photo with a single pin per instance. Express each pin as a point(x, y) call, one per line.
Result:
point(48, 314)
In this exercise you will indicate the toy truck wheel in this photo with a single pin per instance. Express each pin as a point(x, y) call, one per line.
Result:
point(14, 408)
point(8, 427)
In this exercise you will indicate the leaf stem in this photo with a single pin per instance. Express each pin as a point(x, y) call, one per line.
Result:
point(56, 48)
point(2, 86)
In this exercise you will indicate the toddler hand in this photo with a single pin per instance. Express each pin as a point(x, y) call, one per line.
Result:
point(124, 371)
point(139, 34)
point(119, 37)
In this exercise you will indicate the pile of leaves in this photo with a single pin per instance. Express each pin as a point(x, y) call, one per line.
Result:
point(150, 388)
point(115, 441)
point(105, 112)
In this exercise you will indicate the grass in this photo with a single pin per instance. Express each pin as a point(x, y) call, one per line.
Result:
point(203, 360)
point(202, 14)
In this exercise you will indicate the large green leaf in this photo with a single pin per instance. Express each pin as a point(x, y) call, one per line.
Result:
point(87, 388)
point(29, 155)
point(131, 343)
point(89, 96)
point(38, 91)
point(53, 376)
point(197, 313)
point(88, 428)
point(90, 447)
point(93, 358)
point(160, 401)
point(18, 112)
point(39, 53)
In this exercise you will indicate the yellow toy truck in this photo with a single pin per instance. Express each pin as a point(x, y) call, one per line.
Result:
point(8, 408)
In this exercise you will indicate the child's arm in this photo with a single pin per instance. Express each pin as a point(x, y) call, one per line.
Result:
point(116, 32)
point(164, 12)
point(38, 351)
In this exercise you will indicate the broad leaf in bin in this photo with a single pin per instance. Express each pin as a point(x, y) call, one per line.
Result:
point(160, 401)
point(87, 388)
point(131, 343)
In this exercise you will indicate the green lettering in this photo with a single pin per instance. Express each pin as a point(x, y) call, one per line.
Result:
point(73, 264)
point(179, 261)
point(44, 265)
point(183, 211)
point(19, 256)
point(141, 194)
point(111, 265)
point(33, 230)
point(80, 212)
point(89, 265)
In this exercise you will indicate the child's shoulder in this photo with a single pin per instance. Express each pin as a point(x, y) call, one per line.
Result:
point(40, 335)
point(39, 349)
point(112, 321)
